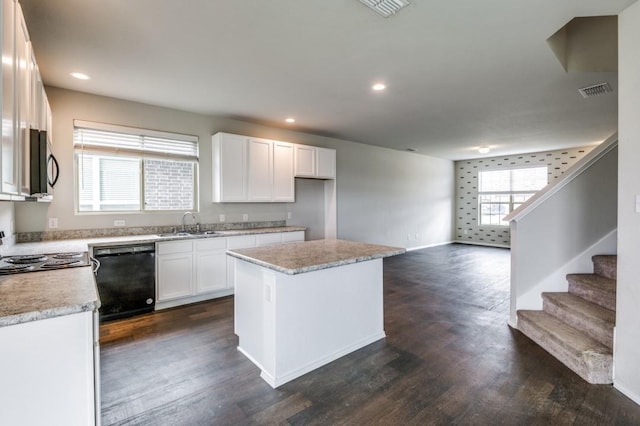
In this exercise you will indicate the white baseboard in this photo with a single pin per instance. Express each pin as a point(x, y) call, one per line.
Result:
point(281, 379)
point(192, 299)
point(475, 243)
point(429, 245)
point(625, 390)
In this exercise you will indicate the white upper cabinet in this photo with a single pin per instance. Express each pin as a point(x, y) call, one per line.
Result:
point(315, 162)
point(283, 181)
point(229, 168)
point(24, 103)
point(251, 169)
point(10, 176)
point(25, 65)
point(325, 163)
point(305, 161)
point(260, 170)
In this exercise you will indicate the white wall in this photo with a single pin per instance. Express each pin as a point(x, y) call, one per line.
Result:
point(387, 196)
point(382, 194)
point(627, 339)
point(467, 227)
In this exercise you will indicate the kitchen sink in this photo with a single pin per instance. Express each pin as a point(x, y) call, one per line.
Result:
point(174, 234)
point(187, 233)
point(204, 233)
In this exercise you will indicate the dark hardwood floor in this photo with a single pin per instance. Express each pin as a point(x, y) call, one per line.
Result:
point(449, 358)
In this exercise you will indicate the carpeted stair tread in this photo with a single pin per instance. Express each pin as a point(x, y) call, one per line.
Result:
point(605, 265)
point(587, 357)
point(594, 288)
point(594, 320)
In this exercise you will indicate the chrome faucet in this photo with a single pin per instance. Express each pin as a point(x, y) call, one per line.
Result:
point(193, 217)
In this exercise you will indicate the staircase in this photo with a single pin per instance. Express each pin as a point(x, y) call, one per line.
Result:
point(577, 327)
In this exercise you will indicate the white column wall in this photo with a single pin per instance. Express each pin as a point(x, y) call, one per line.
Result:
point(627, 338)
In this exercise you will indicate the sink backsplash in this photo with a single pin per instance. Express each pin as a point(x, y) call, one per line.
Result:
point(32, 237)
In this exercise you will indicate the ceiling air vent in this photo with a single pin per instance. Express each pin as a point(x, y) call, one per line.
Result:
point(386, 8)
point(595, 90)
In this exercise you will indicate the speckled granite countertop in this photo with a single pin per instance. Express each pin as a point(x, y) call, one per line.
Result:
point(40, 295)
point(83, 245)
point(300, 257)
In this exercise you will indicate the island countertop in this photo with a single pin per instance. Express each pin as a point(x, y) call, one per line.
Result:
point(300, 257)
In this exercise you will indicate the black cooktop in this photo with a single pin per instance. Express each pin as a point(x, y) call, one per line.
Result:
point(42, 262)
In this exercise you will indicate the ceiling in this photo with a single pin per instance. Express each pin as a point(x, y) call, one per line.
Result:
point(459, 74)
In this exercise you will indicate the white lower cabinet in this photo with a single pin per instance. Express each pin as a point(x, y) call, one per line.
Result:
point(174, 270)
point(190, 271)
point(48, 371)
point(211, 264)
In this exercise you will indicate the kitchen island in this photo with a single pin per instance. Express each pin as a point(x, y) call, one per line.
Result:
point(301, 305)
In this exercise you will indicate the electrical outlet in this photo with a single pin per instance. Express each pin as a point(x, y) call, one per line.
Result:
point(289, 215)
point(53, 222)
point(417, 237)
point(408, 237)
point(245, 217)
point(222, 218)
point(119, 222)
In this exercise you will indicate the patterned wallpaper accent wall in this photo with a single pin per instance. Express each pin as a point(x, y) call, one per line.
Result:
point(467, 228)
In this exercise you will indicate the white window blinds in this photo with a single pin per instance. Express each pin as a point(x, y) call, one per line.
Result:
point(106, 137)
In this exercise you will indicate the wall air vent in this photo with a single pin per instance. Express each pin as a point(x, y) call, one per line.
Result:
point(595, 90)
point(386, 8)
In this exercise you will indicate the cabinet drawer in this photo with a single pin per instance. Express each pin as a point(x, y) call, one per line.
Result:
point(243, 241)
point(268, 239)
point(169, 247)
point(211, 244)
point(292, 236)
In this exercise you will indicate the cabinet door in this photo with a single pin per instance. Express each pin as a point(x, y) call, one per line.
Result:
point(305, 161)
point(260, 170)
point(283, 182)
point(24, 56)
point(9, 182)
point(48, 371)
point(211, 271)
point(174, 275)
point(326, 164)
point(229, 168)
point(211, 264)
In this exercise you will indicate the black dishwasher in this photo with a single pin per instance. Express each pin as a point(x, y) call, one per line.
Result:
point(125, 276)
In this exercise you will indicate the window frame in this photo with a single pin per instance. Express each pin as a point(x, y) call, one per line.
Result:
point(511, 194)
point(79, 149)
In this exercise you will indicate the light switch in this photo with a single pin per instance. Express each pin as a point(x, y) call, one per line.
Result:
point(637, 203)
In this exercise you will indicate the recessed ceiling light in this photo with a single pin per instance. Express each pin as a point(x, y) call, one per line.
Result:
point(484, 150)
point(379, 87)
point(290, 120)
point(80, 76)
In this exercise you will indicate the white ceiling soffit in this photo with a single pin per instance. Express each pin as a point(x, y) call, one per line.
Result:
point(386, 8)
point(587, 44)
